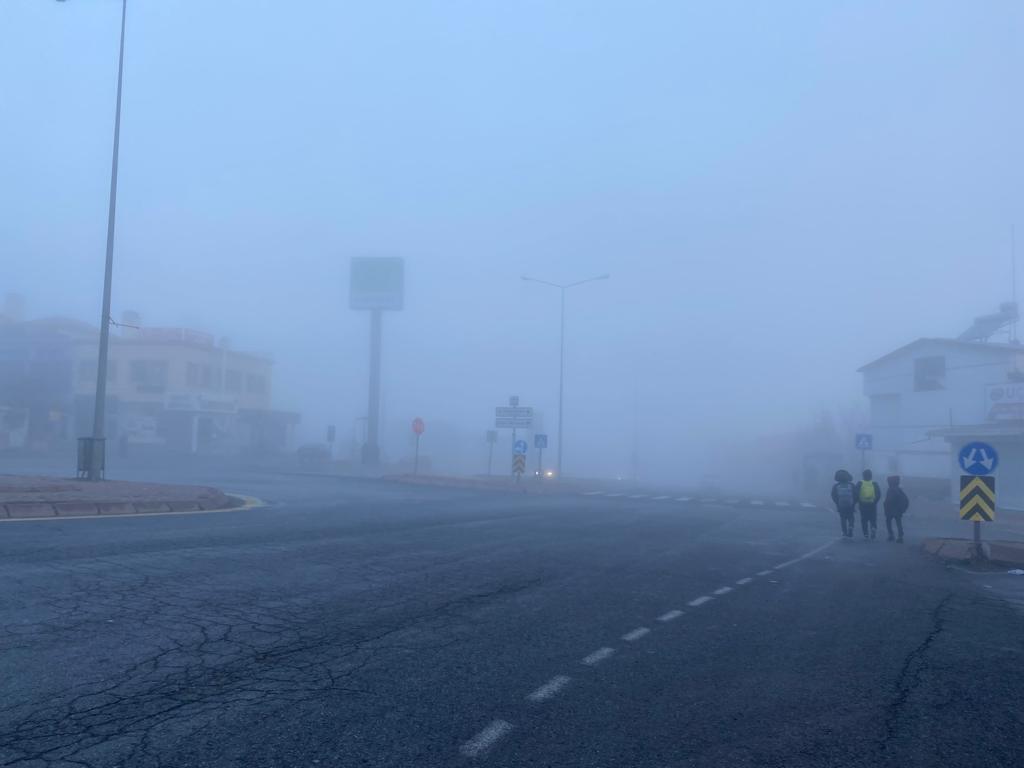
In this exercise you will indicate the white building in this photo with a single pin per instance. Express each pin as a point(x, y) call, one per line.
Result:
point(932, 396)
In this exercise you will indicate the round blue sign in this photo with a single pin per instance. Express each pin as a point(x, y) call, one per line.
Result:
point(520, 446)
point(978, 459)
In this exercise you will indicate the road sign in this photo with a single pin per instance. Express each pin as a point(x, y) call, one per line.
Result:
point(330, 433)
point(520, 447)
point(864, 442)
point(418, 426)
point(376, 282)
point(519, 464)
point(513, 400)
point(491, 436)
point(978, 459)
point(540, 441)
point(978, 498)
point(513, 417)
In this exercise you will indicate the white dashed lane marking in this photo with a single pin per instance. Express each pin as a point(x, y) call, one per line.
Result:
point(757, 503)
point(550, 688)
point(723, 590)
point(486, 738)
point(598, 656)
point(682, 498)
point(615, 495)
point(638, 496)
point(670, 615)
point(636, 634)
point(747, 580)
point(660, 498)
point(764, 573)
point(594, 493)
point(807, 505)
point(701, 600)
point(812, 553)
point(781, 503)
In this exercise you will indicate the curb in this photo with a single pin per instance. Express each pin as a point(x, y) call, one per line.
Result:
point(963, 551)
point(76, 510)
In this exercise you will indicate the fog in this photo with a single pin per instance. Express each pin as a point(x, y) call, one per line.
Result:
point(780, 192)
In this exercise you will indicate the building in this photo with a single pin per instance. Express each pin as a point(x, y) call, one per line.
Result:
point(932, 396)
point(171, 389)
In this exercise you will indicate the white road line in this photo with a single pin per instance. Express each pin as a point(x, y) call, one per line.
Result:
point(486, 738)
point(744, 581)
point(670, 615)
point(781, 503)
point(701, 600)
point(550, 688)
point(706, 500)
point(660, 498)
point(615, 495)
point(812, 553)
point(598, 656)
point(723, 590)
point(636, 634)
point(638, 496)
point(757, 503)
point(682, 498)
point(808, 505)
point(764, 573)
point(594, 493)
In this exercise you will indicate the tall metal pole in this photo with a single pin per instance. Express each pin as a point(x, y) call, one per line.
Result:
point(99, 411)
point(371, 450)
point(561, 382)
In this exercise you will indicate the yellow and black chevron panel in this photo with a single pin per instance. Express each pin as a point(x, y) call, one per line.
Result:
point(978, 498)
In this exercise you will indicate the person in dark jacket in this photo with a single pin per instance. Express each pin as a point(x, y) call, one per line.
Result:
point(844, 496)
point(868, 495)
point(895, 504)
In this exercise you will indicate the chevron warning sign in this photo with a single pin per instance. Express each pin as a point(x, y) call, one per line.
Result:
point(518, 464)
point(978, 498)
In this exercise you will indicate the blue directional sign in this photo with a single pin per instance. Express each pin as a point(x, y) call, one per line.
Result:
point(540, 441)
point(520, 446)
point(864, 442)
point(978, 459)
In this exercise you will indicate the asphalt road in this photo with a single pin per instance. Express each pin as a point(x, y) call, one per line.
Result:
point(359, 623)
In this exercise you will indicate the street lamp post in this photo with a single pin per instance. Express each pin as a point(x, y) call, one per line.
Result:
point(97, 452)
point(562, 288)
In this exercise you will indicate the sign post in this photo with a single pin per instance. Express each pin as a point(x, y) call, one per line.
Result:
point(519, 459)
point(492, 438)
point(864, 443)
point(540, 442)
point(417, 427)
point(978, 487)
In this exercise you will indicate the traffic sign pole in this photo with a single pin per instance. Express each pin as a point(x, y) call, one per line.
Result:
point(416, 459)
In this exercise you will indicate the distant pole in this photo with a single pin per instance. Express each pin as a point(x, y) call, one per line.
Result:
point(490, 457)
point(416, 460)
point(99, 410)
point(562, 287)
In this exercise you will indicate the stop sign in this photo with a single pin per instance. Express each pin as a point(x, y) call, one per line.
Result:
point(418, 426)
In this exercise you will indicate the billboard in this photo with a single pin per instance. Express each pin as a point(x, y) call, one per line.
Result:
point(377, 282)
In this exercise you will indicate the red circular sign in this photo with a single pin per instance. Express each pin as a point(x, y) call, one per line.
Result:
point(418, 426)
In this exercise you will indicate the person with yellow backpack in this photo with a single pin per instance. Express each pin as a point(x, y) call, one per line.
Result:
point(869, 493)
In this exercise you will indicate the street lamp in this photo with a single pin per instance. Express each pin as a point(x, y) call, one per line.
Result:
point(562, 288)
point(96, 451)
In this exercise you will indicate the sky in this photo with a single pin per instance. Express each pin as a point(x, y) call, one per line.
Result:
point(780, 192)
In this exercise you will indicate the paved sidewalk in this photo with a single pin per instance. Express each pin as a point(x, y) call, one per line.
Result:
point(27, 497)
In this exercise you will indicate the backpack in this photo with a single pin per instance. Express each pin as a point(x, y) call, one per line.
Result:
point(844, 495)
point(867, 492)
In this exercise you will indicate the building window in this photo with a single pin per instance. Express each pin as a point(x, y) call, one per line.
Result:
point(255, 384)
point(233, 381)
point(929, 373)
point(149, 375)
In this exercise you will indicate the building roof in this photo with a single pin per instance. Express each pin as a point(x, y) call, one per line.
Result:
point(978, 345)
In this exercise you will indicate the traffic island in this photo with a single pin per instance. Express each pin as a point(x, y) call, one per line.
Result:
point(28, 498)
point(1008, 553)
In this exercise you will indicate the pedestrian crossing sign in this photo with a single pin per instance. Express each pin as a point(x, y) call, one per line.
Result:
point(978, 498)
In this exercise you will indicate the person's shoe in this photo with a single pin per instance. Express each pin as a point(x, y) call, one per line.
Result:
point(891, 537)
point(865, 537)
point(899, 540)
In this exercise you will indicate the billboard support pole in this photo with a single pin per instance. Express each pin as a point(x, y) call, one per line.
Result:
point(371, 449)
